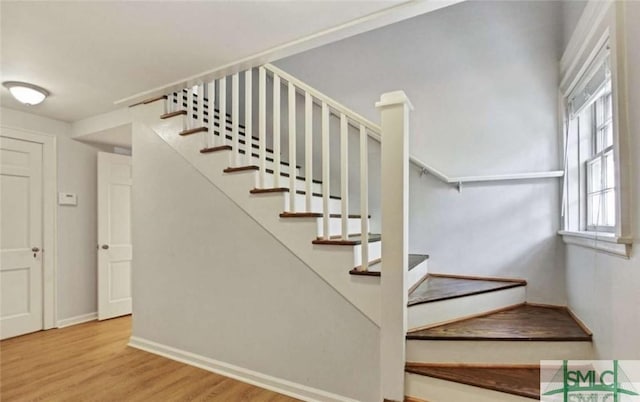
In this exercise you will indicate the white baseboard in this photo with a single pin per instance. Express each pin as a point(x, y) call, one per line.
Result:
point(279, 385)
point(79, 319)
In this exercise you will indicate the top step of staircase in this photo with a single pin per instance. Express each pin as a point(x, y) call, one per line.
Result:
point(438, 287)
point(525, 322)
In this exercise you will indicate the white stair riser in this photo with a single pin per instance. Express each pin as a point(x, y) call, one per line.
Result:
point(417, 273)
point(269, 165)
point(424, 314)
point(335, 226)
point(436, 390)
point(316, 204)
point(284, 182)
point(496, 352)
point(375, 252)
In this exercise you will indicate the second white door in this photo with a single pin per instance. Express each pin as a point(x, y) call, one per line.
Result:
point(115, 251)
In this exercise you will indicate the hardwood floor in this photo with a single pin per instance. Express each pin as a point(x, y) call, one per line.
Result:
point(92, 362)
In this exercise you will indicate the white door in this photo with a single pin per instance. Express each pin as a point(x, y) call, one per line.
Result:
point(21, 294)
point(114, 235)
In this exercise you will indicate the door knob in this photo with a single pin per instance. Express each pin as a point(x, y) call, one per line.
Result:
point(35, 249)
point(105, 247)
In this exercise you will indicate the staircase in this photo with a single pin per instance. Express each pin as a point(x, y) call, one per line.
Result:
point(467, 338)
point(477, 339)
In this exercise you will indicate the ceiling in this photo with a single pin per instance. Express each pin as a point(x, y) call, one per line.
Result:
point(90, 54)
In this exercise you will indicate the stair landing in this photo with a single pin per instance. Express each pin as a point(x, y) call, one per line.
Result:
point(524, 322)
point(521, 381)
point(443, 287)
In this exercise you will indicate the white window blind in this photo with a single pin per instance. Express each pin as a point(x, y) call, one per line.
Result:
point(592, 82)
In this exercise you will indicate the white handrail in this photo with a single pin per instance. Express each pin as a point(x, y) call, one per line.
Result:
point(477, 179)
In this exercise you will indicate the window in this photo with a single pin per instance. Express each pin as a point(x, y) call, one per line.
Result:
point(600, 167)
point(590, 147)
point(596, 195)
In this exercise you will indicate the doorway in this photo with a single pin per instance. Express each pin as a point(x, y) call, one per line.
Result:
point(27, 232)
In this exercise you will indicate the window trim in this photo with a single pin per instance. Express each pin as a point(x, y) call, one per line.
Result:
point(601, 23)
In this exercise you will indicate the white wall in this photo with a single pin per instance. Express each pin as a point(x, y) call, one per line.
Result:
point(77, 230)
point(210, 280)
point(604, 290)
point(571, 12)
point(483, 78)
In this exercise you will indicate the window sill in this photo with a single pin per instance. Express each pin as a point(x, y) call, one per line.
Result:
point(600, 241)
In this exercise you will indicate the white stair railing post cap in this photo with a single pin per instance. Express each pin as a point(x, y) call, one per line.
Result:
point(392, 99)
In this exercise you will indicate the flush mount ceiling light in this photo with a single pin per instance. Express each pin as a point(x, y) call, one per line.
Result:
point(26, 93)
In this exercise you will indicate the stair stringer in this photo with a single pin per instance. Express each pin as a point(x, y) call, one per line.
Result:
point(331, 263)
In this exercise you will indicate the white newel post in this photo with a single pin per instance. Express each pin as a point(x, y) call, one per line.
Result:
point(394, 109)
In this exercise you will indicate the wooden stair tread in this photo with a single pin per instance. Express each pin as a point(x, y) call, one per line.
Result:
point(444, 287)
point(522, 381)
point(315, 215)
point(524, 322)
point(286, 190)
point(375, 266)
point(241, 169)
point(150, 100)
point(353, 240)
point(297, 177)
point(173, 114)
point(193, 131)
point(229, 148)
point(215, 149)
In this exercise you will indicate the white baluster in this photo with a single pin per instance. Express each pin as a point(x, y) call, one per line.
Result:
point(262, 122)
point(325, 171)
point(222, 112)
point(344, 176)
point(308, 152)
point(292, 147)
point(200, 97)
point(200, 113)
point(276, 131)
point(211, 94)
point(189, 107)
point(172, 107)
point(364, 197)
point(235, 117)
point(248, 128)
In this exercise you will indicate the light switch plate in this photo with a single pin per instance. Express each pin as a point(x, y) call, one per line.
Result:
point(67, 199)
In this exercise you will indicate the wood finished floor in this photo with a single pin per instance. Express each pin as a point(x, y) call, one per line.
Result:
point(522, 381)
point(521, 323)
point(436, 288)
point(92, 362)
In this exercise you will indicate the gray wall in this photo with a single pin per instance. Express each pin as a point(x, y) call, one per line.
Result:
point(208, 279)
point(483, 78)
point(571, 12)
point(605, 290)
point(77, 227)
